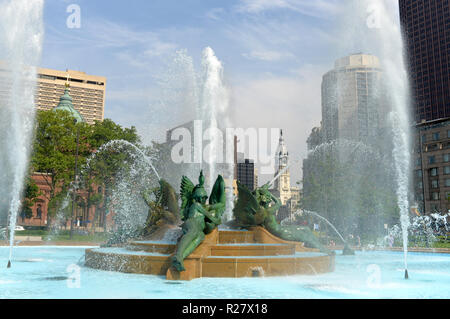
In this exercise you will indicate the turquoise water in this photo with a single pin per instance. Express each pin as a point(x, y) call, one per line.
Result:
point(58, 272)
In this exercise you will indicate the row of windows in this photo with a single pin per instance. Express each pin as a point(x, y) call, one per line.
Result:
point(435, 183)
point(433, 196)
point(48, 86)
point(435, 147)
point(435, 136)
point(434, 171)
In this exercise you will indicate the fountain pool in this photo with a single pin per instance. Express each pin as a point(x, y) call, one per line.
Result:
point(52, 272)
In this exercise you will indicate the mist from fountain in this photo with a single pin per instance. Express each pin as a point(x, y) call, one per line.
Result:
point(116, 144)
point(324, 219)
point(373, 26)
point(396, 81)
point(192, 94)
point(130, 182)
point(424, 230)
point(21, 33)
point(213, 111)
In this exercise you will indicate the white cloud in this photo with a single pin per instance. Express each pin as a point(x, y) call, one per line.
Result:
point(215, 13)
point(268, 55)
point(316, 8)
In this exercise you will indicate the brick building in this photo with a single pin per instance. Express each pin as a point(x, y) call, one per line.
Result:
point(431, 162)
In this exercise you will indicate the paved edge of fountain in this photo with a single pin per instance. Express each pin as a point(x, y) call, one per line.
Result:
point(210, 260)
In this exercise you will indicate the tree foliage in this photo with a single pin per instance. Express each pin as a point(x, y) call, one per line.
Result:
point(54, 155)
point(352, 185)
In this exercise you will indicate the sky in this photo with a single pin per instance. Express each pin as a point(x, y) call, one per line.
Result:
point(274, 54)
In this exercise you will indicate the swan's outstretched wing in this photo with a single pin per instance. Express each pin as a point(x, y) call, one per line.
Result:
point(217, 199)
point(186, 189)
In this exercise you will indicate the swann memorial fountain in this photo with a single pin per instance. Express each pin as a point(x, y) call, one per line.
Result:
point(188, 241)
point(252, 245)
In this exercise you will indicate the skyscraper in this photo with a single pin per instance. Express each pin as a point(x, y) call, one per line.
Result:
point(351, 99)
point(246, 173)
point(426, 30)
point(87, 91)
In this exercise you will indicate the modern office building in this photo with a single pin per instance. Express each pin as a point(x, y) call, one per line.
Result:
point(246, 173)
point(352, 106)
point(426, 30)
point(431, 164)
point(87, 92)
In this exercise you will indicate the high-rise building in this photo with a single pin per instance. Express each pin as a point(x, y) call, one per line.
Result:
point(246, 173)
point(87, 91)
point(426, 30)
point(351, 99)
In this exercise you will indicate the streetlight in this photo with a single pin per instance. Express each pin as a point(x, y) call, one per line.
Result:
point(75, 178)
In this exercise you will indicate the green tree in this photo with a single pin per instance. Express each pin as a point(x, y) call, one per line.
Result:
point(55, 151)
point(31, 194)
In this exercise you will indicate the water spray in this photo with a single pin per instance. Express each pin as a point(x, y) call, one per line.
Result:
point(347, 250)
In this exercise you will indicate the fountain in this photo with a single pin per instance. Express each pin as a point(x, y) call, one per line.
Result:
point(254, 244)
point(262, 247)
point(424, 230)
point(391, 52)
point(347, 250)
point(21, 31)
point(382, 39)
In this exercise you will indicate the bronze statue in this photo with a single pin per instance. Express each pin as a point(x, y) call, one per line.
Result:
point(258, 208)
point(163, 212)
point(199, 218)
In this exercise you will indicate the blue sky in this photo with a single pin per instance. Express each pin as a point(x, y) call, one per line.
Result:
point(274, 53)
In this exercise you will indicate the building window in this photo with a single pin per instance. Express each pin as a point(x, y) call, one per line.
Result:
point(448, 133)
point(447, 182)
point(424, 138)
point(436, 136)
point(446, 158)
point(420, 185)
point(431, 159)
point(435, 183)
point(435, 196)
point(419, 173)
point(432, 147)
point(434, 171)
point(447, 170)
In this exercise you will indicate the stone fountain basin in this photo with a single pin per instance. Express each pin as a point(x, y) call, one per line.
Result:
point(252, 253)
